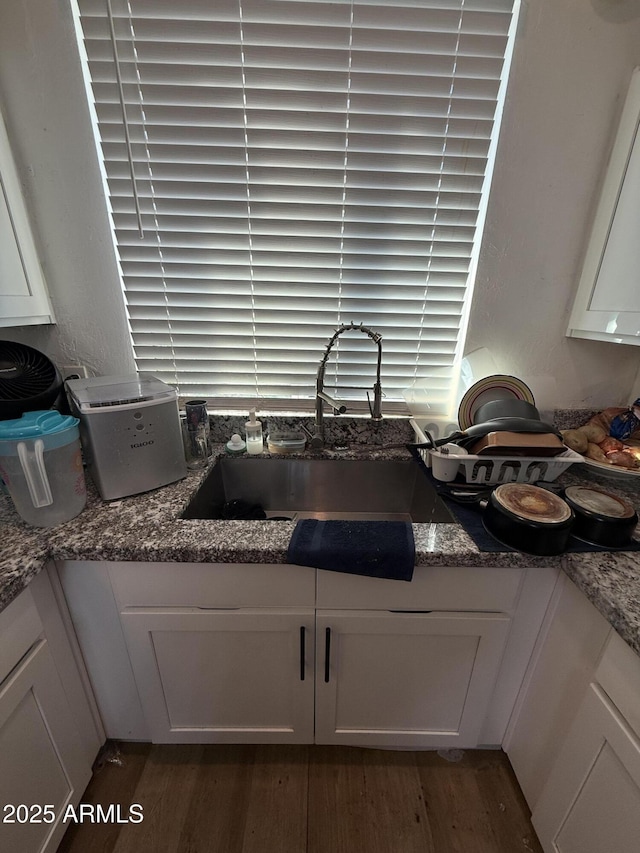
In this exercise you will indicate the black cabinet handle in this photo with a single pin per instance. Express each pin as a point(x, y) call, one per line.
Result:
point(327, 654)
point(303, 632)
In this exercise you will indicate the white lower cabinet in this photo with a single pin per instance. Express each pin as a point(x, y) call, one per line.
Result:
point(591, 802)
point(574, 739)
point(254, 653)
point(224, 676)
point(39, 756)
point(381, 678)
point(405, 679)
point(43, 756)
point(564, 659)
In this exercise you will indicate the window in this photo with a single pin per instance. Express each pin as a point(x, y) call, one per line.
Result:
point(277, 168)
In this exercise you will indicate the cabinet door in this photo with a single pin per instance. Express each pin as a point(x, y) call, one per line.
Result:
point(562, 665)
point(23, 293)
point(607, 303)
point(223, 676)
point(405, 679)
point(591, 802)
point(40, 755)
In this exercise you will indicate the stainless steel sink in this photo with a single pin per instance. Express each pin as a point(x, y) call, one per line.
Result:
point(321, 488)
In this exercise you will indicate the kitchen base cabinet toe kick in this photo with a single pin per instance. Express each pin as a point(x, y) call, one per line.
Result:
point(249, 653)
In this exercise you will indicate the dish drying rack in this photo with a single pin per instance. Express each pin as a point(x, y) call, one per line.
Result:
point(493, 470)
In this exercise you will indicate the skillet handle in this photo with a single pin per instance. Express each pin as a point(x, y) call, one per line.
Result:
point(429, 445)
point(477, 496)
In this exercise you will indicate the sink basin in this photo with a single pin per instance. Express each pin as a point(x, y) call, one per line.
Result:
point(395, 490)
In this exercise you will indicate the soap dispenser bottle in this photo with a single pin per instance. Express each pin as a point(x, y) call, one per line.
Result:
point(253, 434)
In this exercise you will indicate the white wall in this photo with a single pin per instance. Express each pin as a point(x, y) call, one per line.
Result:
point(573, 60)
point(43, 101)
point(572, 64)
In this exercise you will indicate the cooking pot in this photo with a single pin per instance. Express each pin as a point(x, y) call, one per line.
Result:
point(601, 518)
point(529, 518)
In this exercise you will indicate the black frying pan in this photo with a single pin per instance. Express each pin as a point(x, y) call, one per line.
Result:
point(476, 431)
point(543, 538)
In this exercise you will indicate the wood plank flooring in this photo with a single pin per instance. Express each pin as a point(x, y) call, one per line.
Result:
point(305, 799)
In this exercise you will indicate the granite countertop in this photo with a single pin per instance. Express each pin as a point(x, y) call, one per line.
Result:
point(148, 527)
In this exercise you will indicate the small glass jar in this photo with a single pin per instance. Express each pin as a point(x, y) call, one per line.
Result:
point(196, 434)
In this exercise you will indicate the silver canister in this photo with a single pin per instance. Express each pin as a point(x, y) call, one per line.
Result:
point(195, 434)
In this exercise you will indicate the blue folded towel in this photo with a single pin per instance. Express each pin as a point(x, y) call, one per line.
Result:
point(378, 549)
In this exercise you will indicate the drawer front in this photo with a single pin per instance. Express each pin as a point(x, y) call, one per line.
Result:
point(20, 627)
point(432, 588)
point(212, 585)
point(618, 673)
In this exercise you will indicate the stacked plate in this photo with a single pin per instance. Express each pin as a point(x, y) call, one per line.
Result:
point(496, 387)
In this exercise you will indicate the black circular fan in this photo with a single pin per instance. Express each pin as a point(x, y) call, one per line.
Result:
point(28, 380)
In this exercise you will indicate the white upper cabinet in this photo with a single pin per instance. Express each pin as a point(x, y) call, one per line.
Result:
point(23, 293)
point(607, 304)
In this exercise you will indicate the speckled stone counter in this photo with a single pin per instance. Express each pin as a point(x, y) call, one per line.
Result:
point(149, 527)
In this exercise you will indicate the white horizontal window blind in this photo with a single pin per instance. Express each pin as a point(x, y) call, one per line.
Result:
point(277, 168)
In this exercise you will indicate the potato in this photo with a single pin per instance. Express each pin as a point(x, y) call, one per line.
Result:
point(575, 440)
point(595, 453)
point(594, 432)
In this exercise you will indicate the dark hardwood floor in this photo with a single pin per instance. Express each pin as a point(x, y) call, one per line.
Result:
point(304, 799)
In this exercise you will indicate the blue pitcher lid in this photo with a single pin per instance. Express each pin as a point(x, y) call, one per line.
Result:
point(33, 424)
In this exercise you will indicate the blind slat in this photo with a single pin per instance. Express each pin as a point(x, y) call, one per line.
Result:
point(224, 9)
